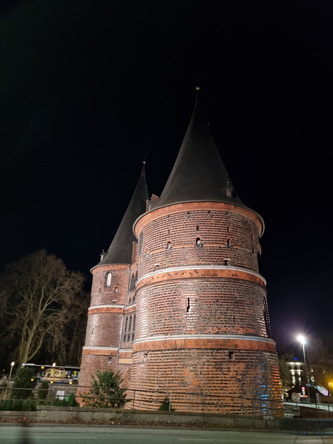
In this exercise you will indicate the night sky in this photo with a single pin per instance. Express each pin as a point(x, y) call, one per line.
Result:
point(87, 88)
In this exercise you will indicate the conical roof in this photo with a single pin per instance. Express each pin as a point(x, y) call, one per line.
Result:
point(120, 250)
point(198, 173)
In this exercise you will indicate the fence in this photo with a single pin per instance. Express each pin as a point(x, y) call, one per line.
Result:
point(146, 400)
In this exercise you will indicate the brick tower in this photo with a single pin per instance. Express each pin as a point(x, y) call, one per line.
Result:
point(192, 287)
point(202, 329)
point(112, 305)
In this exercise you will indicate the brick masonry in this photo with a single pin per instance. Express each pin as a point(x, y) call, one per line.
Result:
point(198, 276)
point(189, 317)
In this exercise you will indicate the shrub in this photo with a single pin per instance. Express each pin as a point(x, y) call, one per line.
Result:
point(24, 383)
point(106, 391)
point(43, 390)
point(166, 405)
point(18, 404)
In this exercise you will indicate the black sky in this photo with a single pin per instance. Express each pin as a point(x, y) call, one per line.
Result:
point(87, 88)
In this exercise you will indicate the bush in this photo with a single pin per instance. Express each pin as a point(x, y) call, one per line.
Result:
point(18, 404)
point(43, 390)
point(166, 405)
point(24, 383)
point(106, 391)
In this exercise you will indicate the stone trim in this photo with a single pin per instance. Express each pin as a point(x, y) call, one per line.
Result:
point(202, 271)
point(145, 218)
point(227, 342)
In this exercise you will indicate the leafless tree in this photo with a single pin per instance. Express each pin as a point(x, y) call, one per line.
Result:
point(41, 299)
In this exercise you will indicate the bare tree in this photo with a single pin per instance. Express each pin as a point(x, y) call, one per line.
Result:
point(40, 297)
point(66, 344)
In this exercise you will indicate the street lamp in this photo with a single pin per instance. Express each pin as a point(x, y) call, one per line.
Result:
point(11, 369)
point(303, 341)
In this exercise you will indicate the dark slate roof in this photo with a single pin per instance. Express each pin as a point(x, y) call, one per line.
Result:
point(120, 250)
point(198, 173)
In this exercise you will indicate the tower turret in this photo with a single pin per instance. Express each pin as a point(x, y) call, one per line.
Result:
point(111, 293)
point(202, 330)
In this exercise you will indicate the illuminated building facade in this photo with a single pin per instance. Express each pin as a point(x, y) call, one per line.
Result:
point(178, 304)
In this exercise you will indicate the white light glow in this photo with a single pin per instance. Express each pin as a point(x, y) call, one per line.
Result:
point(301, 339)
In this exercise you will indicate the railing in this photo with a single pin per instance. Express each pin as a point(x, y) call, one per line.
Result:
point(180, 401)
point(308, 409)
point(201, 402)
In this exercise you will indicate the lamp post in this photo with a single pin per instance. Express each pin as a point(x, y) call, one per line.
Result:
point(11, 369)
point(302, 340)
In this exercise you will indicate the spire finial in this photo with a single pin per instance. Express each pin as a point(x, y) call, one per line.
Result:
point(143, 174)
point(197, 89)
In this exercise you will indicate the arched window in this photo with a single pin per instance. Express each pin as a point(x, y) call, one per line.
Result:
point(108, 279)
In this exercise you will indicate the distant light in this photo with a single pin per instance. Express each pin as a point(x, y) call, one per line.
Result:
point(301, 339)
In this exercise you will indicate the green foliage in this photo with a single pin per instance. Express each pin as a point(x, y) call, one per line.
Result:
point(26, 405)
point(106, 391)
point(43, 390)
point(166, 405)
point(24, 383)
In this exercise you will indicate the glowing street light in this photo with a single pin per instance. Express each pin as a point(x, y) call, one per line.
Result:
point(303, 341)
point(11, 369)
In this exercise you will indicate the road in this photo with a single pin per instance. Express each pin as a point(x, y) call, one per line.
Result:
point(65, 434)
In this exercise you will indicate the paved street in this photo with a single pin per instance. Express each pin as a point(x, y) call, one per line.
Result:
point(38, 434)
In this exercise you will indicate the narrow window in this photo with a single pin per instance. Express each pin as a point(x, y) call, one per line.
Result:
point(198, 242)
point(108, 279)
point(197, 227)
point(226, 262)
point(132, 283)
point(188, 305)
point(140, 243)
point(126, 321)
point(169, 245)
point(231, 355)
point(228, 242)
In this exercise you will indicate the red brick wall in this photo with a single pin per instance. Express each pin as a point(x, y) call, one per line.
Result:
point(170, 240)
point(213, 290)
point(189, 306)
point(105, 314)
point(208, 380)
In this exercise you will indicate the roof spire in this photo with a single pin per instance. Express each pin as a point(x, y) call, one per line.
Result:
point(120, 250)
point(199, 173)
